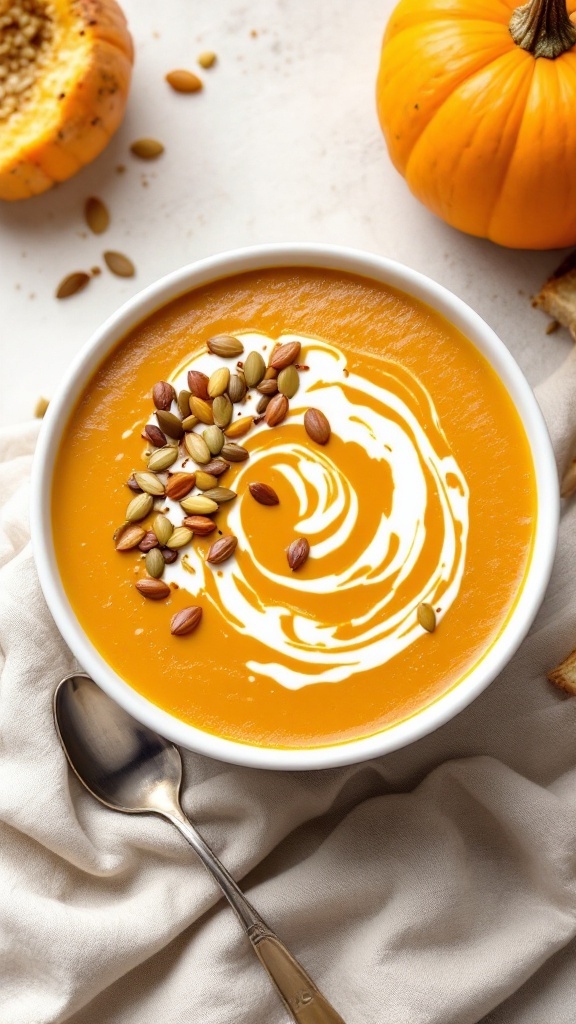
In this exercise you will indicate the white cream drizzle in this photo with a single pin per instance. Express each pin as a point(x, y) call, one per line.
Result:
point(304, 651)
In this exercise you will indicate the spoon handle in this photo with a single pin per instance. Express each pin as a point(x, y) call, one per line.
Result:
point(296, 989)
point(298, 992)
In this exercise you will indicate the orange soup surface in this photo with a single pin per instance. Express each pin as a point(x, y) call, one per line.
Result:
point(419, 510)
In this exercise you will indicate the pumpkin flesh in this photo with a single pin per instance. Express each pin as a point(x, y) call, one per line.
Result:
point(481, 129)
point(76, 100)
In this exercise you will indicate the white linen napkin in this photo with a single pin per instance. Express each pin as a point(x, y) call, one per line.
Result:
point(436, 885)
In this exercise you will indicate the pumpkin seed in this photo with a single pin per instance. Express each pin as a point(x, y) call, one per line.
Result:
point(288, 381)
point(162, 458)
point(155, 563)
point(202, 409)
point(220, 494)
point(128, 536)
point(222, 549)
point(218, 382)
point(240, 427)
point(207, 59)
point(205, 480)
point(154, 435)
point(179, 538)
point(216, 467)
point(71, 284)
point(184, 403)
point(189, 422)
point(147, 149)
point(198, 383)
point(197, 448)
point(263, 404)
point(184, 81)
point(234, 452)
point(169, 423)
point(225, 345)
point(426, 616)
point(96, 215)
point(149, 483)
point(162, 528)
point(269, 386)
point(199, 504)
point(163, 394)
point(186, 620)
point(139, 508)
point(119, 264)
point(41, 408)
point(236, 389)
point(214, 439)
point(254, 369)
point(222, 410)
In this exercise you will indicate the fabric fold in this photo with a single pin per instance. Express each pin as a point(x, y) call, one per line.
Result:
point(436, 885)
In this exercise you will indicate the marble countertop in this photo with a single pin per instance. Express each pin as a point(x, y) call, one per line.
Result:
point(282, 144)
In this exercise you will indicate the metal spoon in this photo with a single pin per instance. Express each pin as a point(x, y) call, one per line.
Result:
point(130, 768)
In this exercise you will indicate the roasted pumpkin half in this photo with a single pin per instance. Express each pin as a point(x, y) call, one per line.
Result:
point(65, 69)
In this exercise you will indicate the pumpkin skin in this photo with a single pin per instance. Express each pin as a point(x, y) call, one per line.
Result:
point(482, 130)
point(76, 101)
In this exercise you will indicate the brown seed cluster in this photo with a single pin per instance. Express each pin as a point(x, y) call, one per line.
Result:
point(197, 424)
point(26, 32)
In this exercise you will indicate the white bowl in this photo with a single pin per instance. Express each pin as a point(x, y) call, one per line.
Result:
point(379, 269)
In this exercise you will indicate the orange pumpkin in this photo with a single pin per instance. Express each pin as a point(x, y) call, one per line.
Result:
point(65, 68)
point(476, 101)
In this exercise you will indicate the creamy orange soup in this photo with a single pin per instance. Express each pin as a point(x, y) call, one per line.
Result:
point(424, 495)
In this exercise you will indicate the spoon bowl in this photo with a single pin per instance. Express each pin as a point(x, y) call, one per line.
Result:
point(125, 765)
point(129, 768)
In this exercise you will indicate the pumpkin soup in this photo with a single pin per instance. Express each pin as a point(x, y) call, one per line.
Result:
point(293, 507)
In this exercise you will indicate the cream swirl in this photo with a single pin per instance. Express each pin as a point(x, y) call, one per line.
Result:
point(376, 560)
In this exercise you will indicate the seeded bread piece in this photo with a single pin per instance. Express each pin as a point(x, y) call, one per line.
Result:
point(558, 296)
point(564, 675)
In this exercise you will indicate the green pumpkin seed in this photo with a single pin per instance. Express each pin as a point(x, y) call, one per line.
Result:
point(119, 264)
point(139, 508)
point(222, 411)
point(214, 439)
point(154, 563)
point(225, 345)
point(254, 369)
point(199, 504)
point(149, 483)
point(234, 452)
point(162, 458)
point(180, 537)
point(236, 389)
point(197, 448)
point(220, 494)
point(163, 529)
point(169, 423)
point(288, 381)
point(184, 403)
point(426, 616)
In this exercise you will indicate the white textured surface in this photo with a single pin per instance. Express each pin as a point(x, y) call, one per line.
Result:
point(283, 144)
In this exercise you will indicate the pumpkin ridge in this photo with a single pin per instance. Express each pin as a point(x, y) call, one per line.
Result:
point(506, 169)
point(462, 81)
point(442, 210)
point(496, 42)
point(553, 192)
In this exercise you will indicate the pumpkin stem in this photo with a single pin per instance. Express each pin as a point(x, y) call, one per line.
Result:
point(543, 28)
